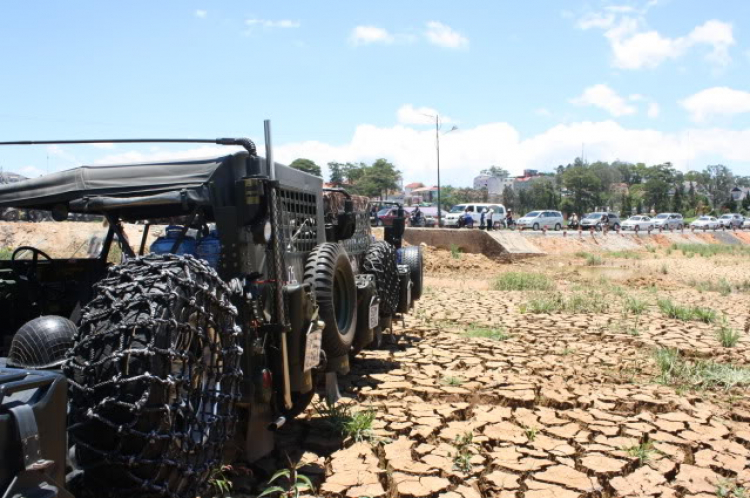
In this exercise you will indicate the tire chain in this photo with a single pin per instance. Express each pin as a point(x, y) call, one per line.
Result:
point(174, 451)
point(380, 261)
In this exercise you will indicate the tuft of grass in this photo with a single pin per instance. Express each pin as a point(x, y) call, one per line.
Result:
point(6, 252)
point(705, 315)
point(348, 423)
point(496, 334)
point(686, 313)
point(676, 371)
point(519, 281)
point(450, 380)
point(651, 249)
point(455, 251)
point(711, 250)
point(728, 488)
point(220, 481)
point(531, 433)
point(578, 302)
point(594, 260)
point(664, 269)
point(728, 337)
point(721, 286)
point(642, 452)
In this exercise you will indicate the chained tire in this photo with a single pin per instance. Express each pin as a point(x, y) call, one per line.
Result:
point(154, 375)
point(380, 261)
point(412, 257)
point(331, 277)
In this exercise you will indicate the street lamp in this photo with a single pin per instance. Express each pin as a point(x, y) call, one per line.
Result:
point(437, 148)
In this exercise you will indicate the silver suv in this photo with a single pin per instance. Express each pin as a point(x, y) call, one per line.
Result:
point(597, 220)
point(668, 221)
point(731, 220)
point(537, 220)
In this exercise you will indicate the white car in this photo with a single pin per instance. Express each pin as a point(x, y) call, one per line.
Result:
point(668, 221)
point(536, 220)
point(475, 210)
point(731, 220)
point(746, 223)
point(637, 223)
point(706, 223)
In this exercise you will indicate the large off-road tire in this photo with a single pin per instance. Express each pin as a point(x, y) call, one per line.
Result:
point(412, 257)
point(331, 277)
point(154, 377)
point(380, 261)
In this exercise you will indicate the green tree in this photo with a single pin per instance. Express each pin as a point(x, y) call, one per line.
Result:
point(337, 173)
point(719, 180)
point(746, 202)
point(678, 203)
point(659, 180)
point(626, 205)
point(584, 187)
point(307, 166)
point(378, 179)
point(495, 171)
point(509, 198)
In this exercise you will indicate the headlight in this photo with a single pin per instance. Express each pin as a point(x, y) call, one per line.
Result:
point(267, 231)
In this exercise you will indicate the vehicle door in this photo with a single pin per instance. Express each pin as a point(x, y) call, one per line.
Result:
point(473, 212)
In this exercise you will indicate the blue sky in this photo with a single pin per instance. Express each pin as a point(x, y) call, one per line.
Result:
point(527, 84)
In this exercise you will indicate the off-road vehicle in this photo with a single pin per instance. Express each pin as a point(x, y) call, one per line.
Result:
point(262, 286)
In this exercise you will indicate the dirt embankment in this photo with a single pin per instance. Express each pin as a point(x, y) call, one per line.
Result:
point(68, 239)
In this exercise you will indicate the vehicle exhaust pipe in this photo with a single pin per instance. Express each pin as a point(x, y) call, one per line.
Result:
point(277, 424)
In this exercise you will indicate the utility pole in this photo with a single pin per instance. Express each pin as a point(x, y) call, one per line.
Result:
point(437, 146)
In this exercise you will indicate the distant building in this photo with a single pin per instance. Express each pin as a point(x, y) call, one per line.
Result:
point(424, 194)
point(408, 189)
point(739, 193)
point(493, 184)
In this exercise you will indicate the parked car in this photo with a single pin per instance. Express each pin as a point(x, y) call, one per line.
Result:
point(385, 216)
point(637, 223)
point(731, 220)
point(596, 220)
point(539, 219)
point(475, 210)
point(669, 221)
point(706, 223)
point(746, 223)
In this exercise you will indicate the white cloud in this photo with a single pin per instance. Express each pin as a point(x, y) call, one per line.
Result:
point(635, 47)
point(283, 23)
point(30, 171)
point(200, 13)
point(365, 35)
point(444, 36)
point(106, 145)
point(465, 152)
point(716, 101)
point(653, 110)
point(605, 98)
point(408, 114)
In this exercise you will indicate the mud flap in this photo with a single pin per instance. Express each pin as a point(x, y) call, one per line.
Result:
point(332, 388)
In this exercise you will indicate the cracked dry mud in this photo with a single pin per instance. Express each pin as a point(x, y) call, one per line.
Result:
point(558, 410)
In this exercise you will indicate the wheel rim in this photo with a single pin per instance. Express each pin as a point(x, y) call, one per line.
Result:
point(342, 304)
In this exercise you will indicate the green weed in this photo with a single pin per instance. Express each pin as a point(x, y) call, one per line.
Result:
point(345, 422)
point(727, 488)
point(464, 452)
point(686, 313)
point(519, 281)
point(625, 254)
point(728, 337)
point(642, 452)
point(455, 251)
point(296, 483)
point(452, 381)
point(676, 371)
point(578, 302)
point(496, 334)
point(634, 306)
point(711, 250)
point(531, 433)
point(219, 480)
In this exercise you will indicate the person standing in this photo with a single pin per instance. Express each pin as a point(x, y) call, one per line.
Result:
point(482, 218)
point(490, 218)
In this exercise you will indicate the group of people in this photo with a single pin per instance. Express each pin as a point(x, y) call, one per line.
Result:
point(487, 219)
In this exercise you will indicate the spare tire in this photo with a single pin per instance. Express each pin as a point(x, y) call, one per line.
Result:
point(330, 274)
point(154, 376)
point(380, 261)
point(412, 257)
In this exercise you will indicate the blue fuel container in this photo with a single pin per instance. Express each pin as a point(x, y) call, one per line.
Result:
point(209, 248)
point(164, 244)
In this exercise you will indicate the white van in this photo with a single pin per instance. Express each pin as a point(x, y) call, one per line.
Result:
point(475, 210)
